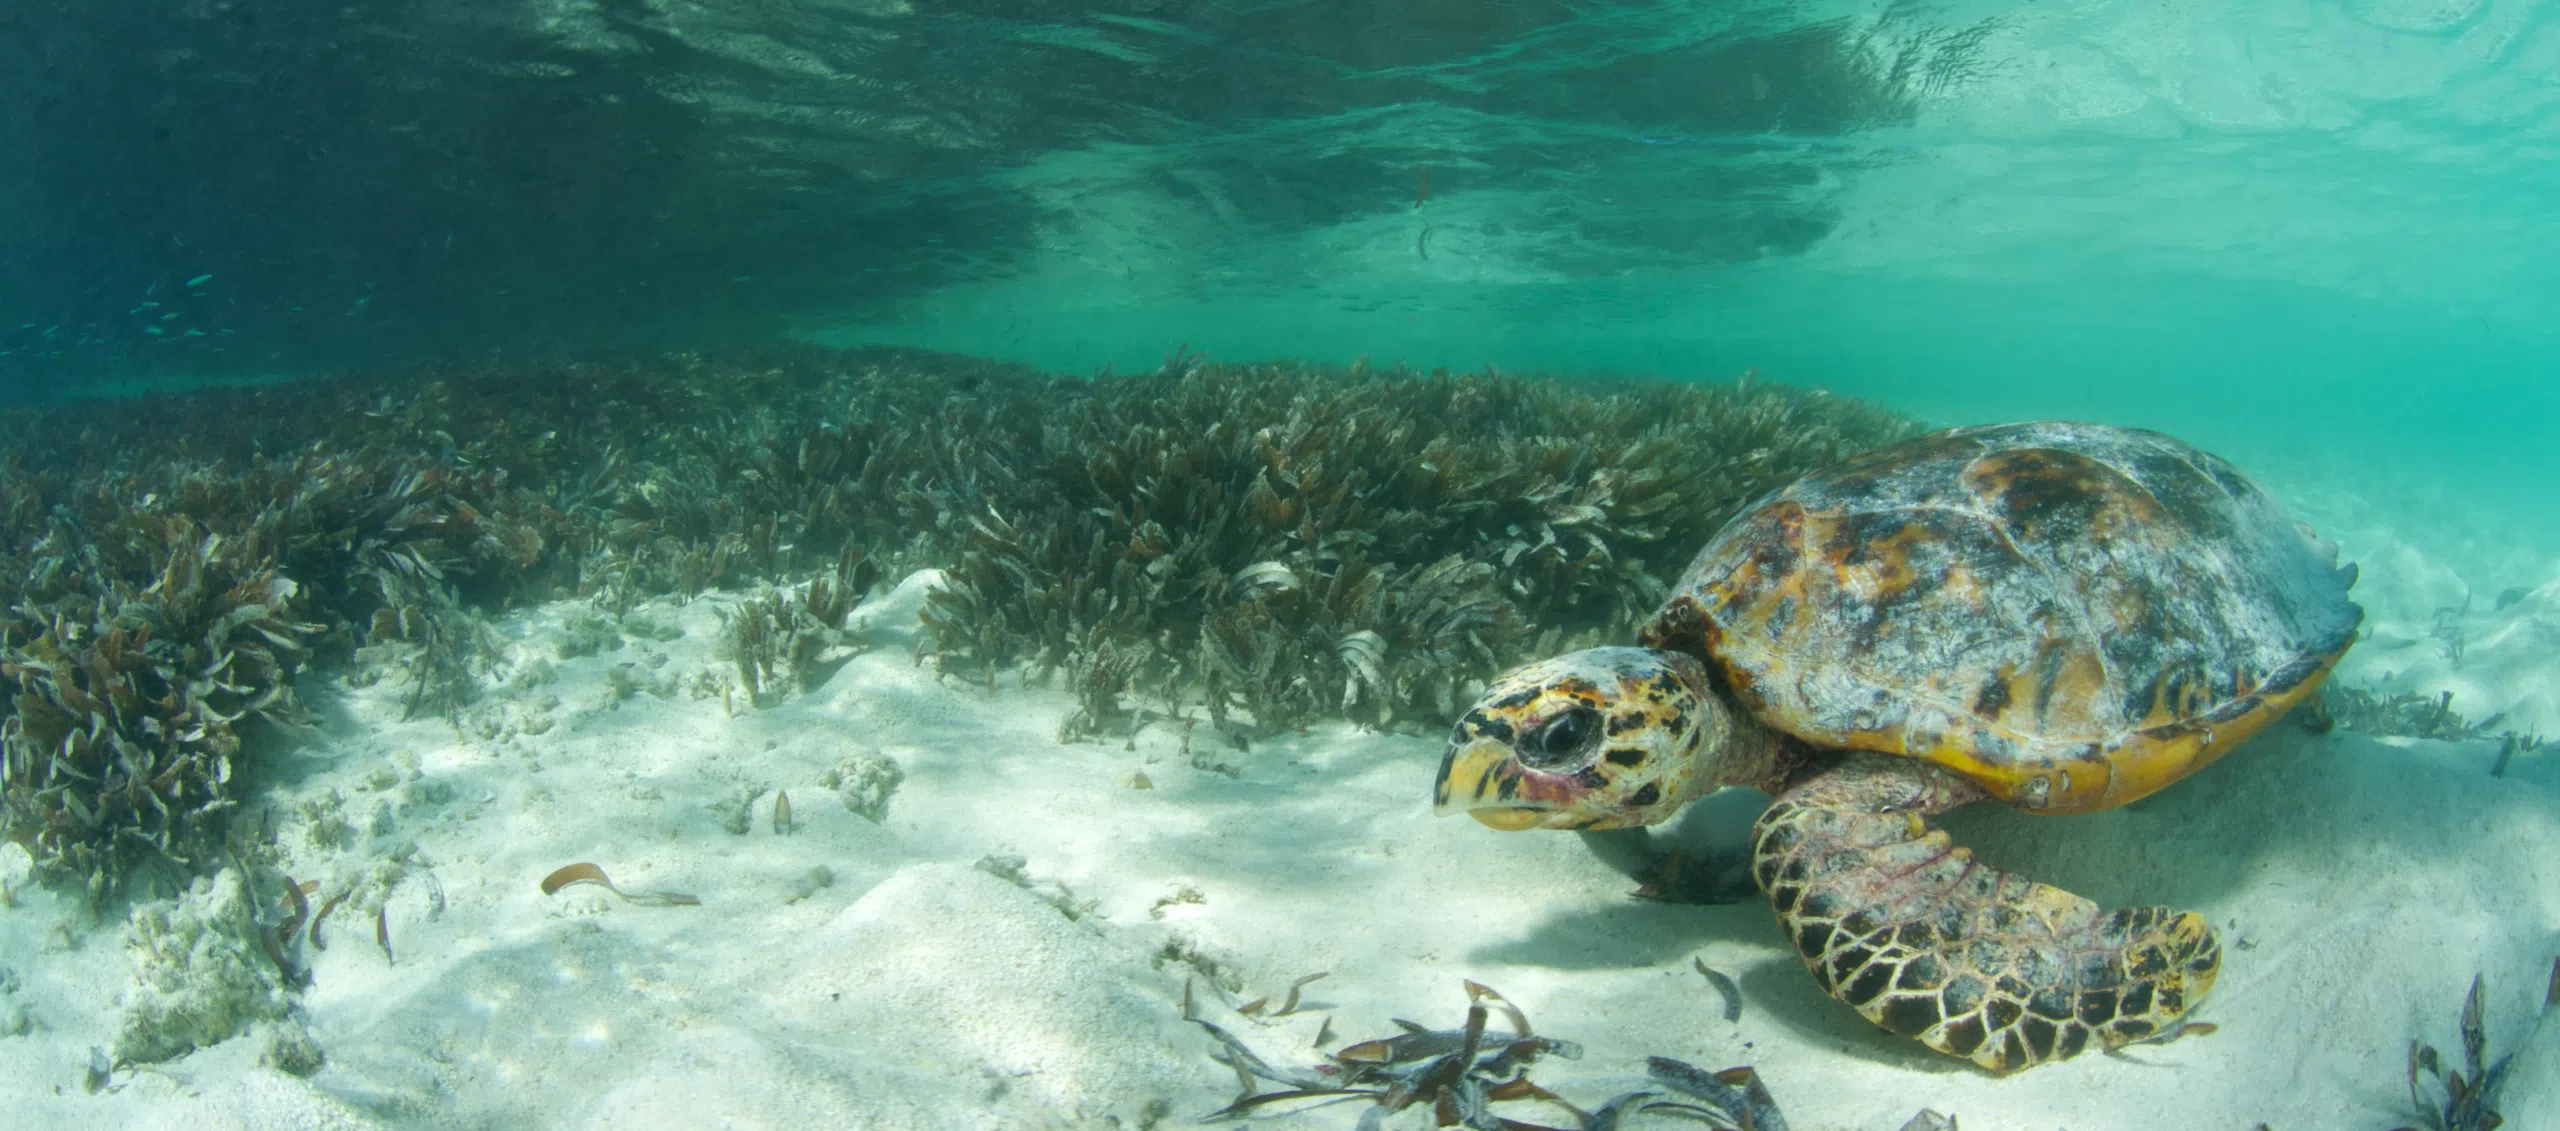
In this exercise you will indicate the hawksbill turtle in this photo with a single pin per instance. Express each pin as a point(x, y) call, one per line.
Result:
point(2063, 617)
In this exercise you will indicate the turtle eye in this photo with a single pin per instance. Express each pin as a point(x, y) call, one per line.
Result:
point(1564, 739)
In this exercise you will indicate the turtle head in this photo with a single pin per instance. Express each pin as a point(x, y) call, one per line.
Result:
point(1604, 738)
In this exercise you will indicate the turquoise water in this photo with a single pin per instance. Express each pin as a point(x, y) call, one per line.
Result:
point(2315, 236)
point(2267, 374)
point(2312, 236)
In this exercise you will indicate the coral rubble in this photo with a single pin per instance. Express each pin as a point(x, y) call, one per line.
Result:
point(198, 976)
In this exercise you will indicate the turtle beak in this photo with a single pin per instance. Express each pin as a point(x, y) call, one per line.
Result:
point(1482, 780)
point(1468, 778)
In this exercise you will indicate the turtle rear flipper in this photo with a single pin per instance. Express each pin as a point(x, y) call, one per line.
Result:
point(1902, 924)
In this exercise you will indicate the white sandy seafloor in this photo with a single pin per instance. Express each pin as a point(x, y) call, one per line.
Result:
point(866, 974)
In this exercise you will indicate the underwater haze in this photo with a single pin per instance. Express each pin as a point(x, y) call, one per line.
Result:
point(909, 563)
point(2318, 231)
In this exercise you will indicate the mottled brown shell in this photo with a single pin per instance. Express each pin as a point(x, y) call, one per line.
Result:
point(2072, 615)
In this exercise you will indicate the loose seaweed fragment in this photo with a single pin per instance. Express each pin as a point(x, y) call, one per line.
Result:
point(278, 938)
point(1258, 1006)
point(1736, 1099)
point(1611, 1116)
point(1462, 1072)
point(2470, 1092)
point(2408, 714)
point(1250, 1065)
point(1290, 1005)
point(2511, 744)
point(293, 975)
point(1459, 1072)
point(100, 1071)
point(590, 874)
point(1725, 988)
point(298, 894)
point(321, 914)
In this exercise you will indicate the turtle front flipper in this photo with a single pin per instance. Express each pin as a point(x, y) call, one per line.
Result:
point(1898, 921)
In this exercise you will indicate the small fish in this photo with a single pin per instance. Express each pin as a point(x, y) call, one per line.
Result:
point(782, 812)
point(199, 280)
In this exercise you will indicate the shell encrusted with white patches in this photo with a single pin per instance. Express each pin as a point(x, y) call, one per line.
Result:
point(2071, 615)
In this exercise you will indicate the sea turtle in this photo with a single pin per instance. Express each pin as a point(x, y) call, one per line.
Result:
point(2064, 617)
